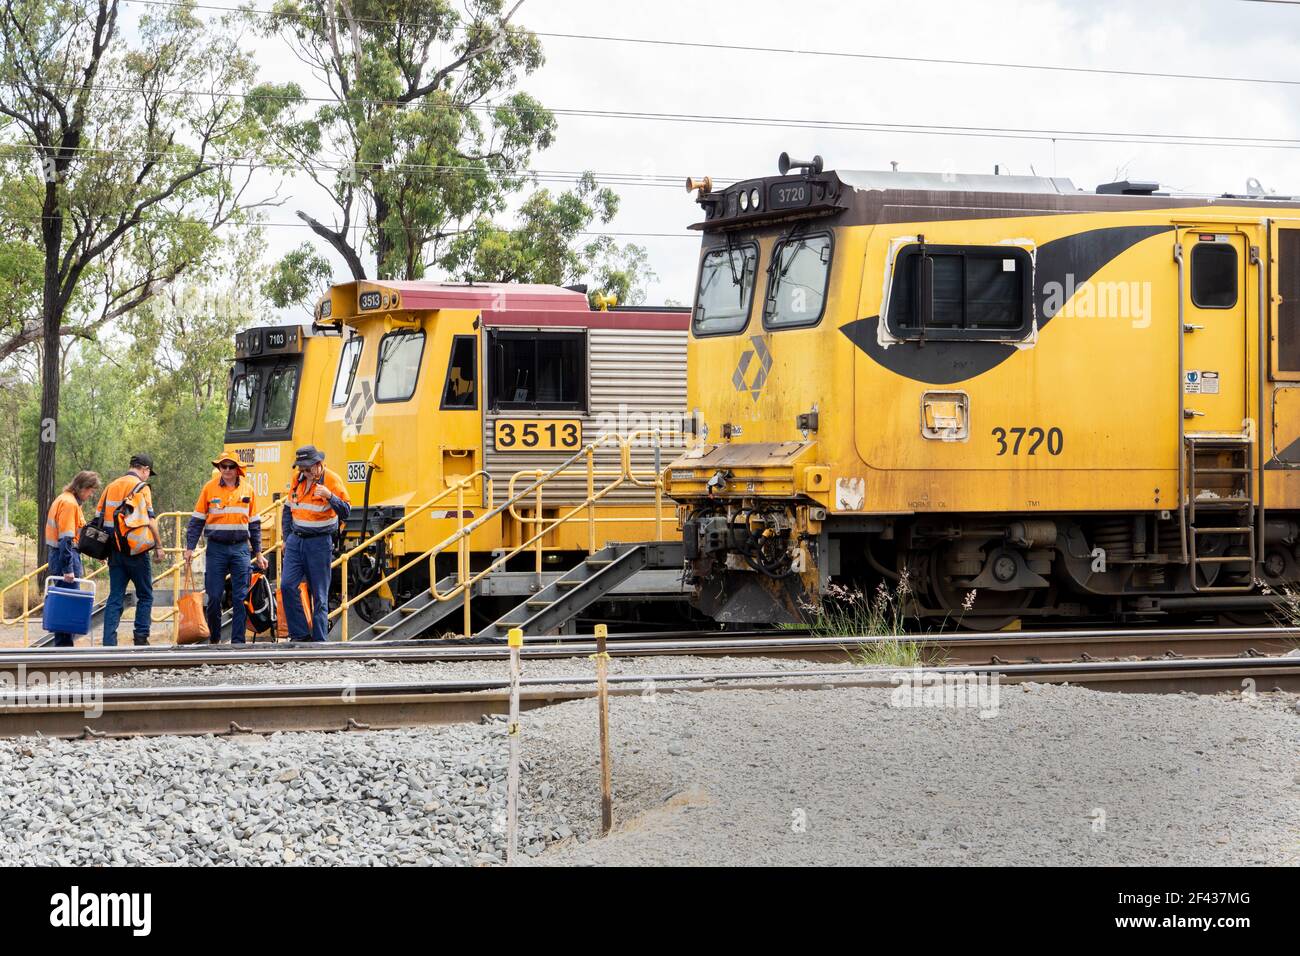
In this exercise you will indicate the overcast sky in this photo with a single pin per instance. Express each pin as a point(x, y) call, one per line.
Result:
point(1217, 37)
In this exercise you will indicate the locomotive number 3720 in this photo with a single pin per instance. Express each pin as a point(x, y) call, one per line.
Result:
point(1013, 440)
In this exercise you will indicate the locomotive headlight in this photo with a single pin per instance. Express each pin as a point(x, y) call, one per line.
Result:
point(753, 199)
point(744, 201)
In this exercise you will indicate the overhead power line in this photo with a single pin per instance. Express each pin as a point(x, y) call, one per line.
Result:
point(556, 176)
point(181, 220)
point(870, 126)
point(787, 51)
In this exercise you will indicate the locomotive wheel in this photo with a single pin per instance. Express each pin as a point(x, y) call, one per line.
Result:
point(951, 595)
point(372, 607)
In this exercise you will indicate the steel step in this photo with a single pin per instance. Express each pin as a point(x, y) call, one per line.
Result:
point(581, 586)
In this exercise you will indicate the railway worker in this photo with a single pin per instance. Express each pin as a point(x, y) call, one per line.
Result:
point(318, 500)
point(62, 526)
point(226, 515)
point(129, 562)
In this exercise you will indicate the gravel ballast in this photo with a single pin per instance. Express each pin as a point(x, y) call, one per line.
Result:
point(1059, 775)
point(396, 797)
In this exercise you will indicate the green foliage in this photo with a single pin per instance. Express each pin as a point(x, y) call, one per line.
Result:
point(22, 514)
point(299, 278)
point(622, 273)
point(132, 183)
point(541, 247)
point(547, 246)
point(156, 384)
point(426, 130)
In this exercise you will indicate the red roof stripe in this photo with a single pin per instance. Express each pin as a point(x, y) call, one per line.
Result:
point(587, 319)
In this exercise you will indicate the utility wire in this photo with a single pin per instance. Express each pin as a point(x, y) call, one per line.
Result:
point(920, 129)
point(747, 48)
point(253, 224)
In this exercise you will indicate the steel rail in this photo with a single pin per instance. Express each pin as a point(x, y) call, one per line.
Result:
point(957, 648)
point(231, 709)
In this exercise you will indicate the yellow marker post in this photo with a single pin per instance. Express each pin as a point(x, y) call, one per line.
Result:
point(515, 640)
point(602, 700)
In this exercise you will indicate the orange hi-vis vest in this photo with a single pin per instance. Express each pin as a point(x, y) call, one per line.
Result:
point(65, 519)
point(134, 531)
point(226, 509)
point(312, 513)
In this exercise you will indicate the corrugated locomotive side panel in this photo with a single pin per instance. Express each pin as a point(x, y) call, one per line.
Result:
point(637, 381)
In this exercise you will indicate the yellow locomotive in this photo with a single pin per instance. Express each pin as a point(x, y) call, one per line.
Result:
point(1031, 400)
point(463, 395)
point(277, 396)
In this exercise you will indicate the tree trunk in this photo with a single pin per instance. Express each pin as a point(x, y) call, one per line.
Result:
point(52, 306)
point(47, 429)
point(383, 244)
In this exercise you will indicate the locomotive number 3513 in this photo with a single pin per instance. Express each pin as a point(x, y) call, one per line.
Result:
point(546, 434)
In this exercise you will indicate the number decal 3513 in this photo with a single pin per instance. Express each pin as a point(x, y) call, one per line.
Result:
point(1028, 441)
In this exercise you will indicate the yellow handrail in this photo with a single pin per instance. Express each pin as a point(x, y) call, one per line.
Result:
point(460, 537)
point(346, 603)
point(465, 580)
point(656, 482)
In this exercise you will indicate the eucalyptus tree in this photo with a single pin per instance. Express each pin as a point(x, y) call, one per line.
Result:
point(129, 145)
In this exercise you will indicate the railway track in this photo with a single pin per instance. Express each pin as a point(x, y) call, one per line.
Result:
point(1010, 647)
point(341, 707)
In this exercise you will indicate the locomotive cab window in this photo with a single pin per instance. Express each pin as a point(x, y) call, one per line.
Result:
point(539, 370)
point(459, 391)
point(277, 405)
point(796, 288)
point(349, 359)
point(1214, 275)
point(243, 396)
point(726, 290)
point(399, 366)
point(961, 292)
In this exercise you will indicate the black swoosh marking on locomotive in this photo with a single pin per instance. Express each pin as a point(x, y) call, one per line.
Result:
point(1288, 458)
point(943, 363)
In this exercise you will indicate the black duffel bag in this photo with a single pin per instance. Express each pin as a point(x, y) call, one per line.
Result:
point(97, 538)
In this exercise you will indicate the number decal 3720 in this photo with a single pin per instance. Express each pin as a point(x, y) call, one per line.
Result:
point(1028, 441)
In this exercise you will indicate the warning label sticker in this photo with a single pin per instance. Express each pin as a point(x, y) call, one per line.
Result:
point(1197, 382)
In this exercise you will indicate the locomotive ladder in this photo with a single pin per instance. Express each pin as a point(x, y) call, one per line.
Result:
point(1212, 514)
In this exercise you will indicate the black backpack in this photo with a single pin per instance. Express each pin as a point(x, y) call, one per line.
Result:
point(260, 603)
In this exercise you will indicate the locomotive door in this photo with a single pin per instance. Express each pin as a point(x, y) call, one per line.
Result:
point(1282, 466)
point(1214, 331)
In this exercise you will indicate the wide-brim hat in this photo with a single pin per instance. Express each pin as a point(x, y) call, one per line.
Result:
point(308, 455)
point(239, 469)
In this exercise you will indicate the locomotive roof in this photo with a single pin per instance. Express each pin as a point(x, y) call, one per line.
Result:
point(870, 197)
point(500, 303)
point(954, 182)
point(422, 295)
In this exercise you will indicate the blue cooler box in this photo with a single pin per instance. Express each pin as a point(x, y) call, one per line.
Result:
point(68, 611)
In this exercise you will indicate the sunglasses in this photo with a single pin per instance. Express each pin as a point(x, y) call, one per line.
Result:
point(224, 467)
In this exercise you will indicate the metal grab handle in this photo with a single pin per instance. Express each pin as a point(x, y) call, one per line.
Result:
point(50, 581)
